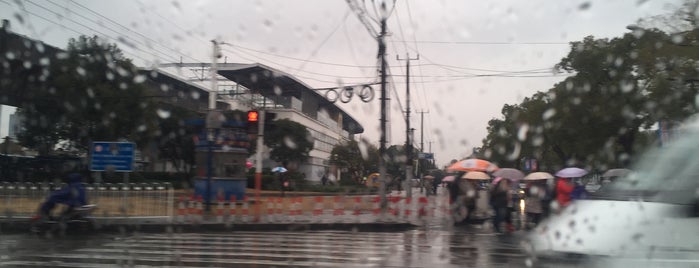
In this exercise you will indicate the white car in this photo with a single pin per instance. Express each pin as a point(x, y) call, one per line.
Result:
point(649, 218)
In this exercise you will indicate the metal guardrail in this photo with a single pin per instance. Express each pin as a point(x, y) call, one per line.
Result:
point(112, 200)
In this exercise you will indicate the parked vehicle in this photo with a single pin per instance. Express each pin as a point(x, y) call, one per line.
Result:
point(649, 218)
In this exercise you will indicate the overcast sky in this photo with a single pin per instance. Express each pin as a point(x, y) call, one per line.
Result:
point(324, 44)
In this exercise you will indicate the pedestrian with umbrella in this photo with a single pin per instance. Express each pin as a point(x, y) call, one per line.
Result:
point(514, 175)
point(534, 196)
point(279, 171)
point(500, 196)
point(565, 185)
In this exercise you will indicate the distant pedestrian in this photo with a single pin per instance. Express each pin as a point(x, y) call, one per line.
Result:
point(535, 193)
point(579, 191)
point(564, 187)
point(324, 180)
point(499, 198)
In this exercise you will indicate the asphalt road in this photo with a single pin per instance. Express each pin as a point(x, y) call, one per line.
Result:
point(462, 246)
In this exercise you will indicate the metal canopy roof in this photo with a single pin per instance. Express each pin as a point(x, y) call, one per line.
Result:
point(263, 80)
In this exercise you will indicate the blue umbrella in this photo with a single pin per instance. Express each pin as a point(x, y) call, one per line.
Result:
point(571, 172)
point(279, 169)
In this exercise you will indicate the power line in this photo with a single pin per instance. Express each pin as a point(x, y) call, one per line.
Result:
point(342, 22)
point(486, 42)
point(443, 66)
point(88, 19)
point(79, 33)
point(292, 68)
point(130, 30)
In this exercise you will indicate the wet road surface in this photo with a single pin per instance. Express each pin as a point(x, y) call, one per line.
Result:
point(463, 246)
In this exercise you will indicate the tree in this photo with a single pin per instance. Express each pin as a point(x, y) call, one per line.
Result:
point(289, 141)
point(357, 160)
point(175, 141)
point(618, 88)
point(92, 92)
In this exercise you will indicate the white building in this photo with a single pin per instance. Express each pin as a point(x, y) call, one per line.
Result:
point(260, 86)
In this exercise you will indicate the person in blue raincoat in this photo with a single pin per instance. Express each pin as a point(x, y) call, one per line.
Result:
point(72, 195)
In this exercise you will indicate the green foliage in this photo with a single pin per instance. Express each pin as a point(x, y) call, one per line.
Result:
point(89, 93)
point(599, 116)
point(288, 141)
point(358, 161)
point(175, 141)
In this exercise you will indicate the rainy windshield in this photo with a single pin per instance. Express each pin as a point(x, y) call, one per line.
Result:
point(670, 171)
point(383, 133)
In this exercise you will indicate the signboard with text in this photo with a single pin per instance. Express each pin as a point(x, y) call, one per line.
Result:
point(112, 156)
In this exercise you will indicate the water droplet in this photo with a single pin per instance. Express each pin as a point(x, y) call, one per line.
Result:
point(142, 128)
point(277, 90)
point(122, 71)
point(110, 76)
point(81, 71)
point(290, 142)
point(139, 79)
point(44, 61)
point(548, 114)
point(195, 95)
point(528, 262)
point(678, 38)
point(164, 114)
point(557, 234)
point(522, 133)
point(584, 6)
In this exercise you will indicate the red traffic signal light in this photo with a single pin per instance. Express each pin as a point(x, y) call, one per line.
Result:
point(253, 116)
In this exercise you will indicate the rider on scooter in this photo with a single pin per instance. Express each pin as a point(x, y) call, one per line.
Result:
point(72, 195)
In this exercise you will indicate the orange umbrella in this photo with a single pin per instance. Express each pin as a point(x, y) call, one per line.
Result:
point(473, 164)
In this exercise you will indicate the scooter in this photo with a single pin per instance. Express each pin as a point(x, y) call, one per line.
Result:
point(78, 219)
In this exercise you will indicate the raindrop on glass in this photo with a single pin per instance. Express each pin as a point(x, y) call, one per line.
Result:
point(548, 114)
point(81, 71)
point(277, 90)
point(584, 6)
point(139, 79)
point(677, 38)
point(164, 114)
point(290, 142)
point(522, 133)
point(528, 262)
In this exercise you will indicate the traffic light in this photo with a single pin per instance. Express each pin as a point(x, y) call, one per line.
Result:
point(253, 119)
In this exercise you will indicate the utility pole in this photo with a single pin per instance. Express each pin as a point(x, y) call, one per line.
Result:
point(382, 139)
point(422, 130)
point(408, 139)
point(211, 122)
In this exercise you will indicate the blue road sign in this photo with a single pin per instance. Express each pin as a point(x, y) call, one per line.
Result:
point(112, 156)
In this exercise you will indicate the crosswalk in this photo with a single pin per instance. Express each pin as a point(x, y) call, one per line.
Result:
point(414, 248)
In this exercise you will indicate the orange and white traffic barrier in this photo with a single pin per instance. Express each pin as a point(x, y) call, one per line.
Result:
point(393, 206)
point(422, 207)
point(279, 205)
point(245, 210)
point(295, 209)
point(219, 209)
point(191, 208)
point(357, 208)
point(270, 209)
point(339, 208)
point(181, 210)
point(200, 209)
point(407, 208)
point(318, 206)
point(376, 202)
point(232, 209)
